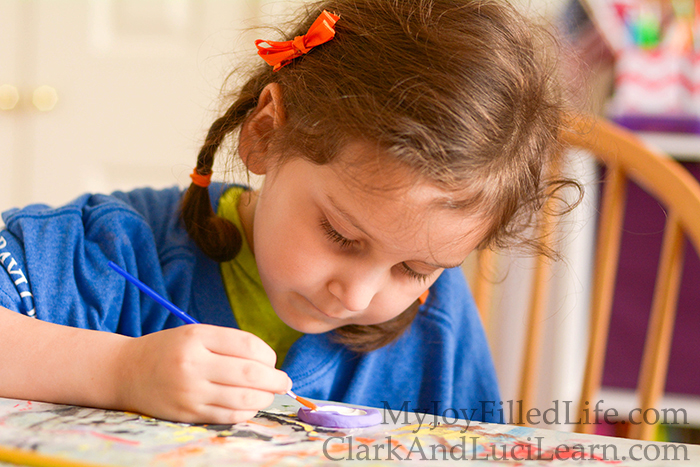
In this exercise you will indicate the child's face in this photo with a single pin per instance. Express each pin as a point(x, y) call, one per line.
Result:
point(333, 252)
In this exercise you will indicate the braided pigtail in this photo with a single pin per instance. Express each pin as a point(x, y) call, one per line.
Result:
point(218, 238)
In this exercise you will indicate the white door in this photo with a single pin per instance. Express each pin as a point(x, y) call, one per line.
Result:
point(135, 83)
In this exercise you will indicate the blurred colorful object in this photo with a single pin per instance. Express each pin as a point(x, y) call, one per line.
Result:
point(656, 44)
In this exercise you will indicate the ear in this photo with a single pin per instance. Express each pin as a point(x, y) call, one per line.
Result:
point(256, 131)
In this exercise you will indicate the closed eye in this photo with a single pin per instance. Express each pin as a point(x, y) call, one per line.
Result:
point(413, 274)
point(334, 236)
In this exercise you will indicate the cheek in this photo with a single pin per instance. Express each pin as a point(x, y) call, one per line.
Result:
point(395, 300)
point(390, 304)
point(286, 253)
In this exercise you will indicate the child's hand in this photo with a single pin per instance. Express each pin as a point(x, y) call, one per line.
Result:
point(200, 374)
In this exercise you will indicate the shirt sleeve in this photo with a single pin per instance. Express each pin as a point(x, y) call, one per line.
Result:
point(55, 264)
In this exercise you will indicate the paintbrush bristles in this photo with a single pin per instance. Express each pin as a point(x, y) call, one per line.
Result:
point(309, 404)
point(302, 401)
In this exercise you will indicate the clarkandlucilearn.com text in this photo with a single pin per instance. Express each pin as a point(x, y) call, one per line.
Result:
point(338, 448)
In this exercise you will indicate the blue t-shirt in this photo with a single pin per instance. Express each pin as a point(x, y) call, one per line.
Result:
point(55, 269)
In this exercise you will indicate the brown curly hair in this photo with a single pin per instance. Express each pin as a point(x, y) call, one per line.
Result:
point(461, 91)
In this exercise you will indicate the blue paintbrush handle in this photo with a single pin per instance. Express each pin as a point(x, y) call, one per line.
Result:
point(154, 295)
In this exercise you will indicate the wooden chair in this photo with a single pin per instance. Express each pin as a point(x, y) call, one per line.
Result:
point(625, 157)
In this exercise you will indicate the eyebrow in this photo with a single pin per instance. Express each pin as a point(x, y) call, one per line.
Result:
point(440, 266)
point(349, 218)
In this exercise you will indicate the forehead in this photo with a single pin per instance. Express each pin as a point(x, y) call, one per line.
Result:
point(372, 174)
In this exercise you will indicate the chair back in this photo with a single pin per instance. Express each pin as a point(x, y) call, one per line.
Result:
point(625, 157)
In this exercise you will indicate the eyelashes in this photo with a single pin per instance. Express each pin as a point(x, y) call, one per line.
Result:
point(413, 274)
point(345, 243)
point(334, 236)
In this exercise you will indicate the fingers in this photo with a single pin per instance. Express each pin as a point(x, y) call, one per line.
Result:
point(210, 414)
point(234, 398)
point(229, 405)
point(253, 361)
point(203, 373)
point(237, 343)
point(244, 373)
point(225, 416)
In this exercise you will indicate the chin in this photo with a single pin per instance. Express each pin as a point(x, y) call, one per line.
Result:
point(314, 327)
point(305, 324)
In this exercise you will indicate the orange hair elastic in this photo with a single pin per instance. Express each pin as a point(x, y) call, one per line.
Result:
point(278, 54)
point(199, 179)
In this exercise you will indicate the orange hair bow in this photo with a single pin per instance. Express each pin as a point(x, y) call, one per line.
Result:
point(278, 54)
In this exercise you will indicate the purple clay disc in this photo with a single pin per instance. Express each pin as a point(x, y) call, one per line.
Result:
point(339, 416)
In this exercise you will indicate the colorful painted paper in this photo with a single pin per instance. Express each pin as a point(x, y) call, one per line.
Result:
point(277, 437)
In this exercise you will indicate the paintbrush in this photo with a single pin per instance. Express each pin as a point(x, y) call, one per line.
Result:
point(302, 401)
point(184, 316)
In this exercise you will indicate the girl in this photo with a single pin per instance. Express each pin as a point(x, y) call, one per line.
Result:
point(395, 138)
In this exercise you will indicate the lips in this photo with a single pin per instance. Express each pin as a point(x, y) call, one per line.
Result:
point(317, 309)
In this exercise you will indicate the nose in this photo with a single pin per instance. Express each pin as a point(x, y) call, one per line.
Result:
point(355, 291)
